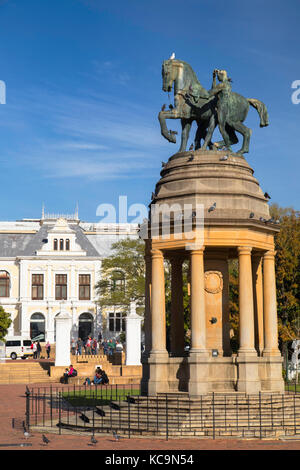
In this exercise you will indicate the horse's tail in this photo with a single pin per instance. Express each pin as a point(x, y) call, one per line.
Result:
point(261, 109)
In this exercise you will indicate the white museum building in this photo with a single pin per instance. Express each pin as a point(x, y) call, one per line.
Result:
point(53, 264)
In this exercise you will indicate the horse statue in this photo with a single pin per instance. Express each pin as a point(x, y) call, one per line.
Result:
point(218, 106)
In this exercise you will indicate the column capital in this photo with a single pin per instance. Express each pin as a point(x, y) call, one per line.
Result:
point(199, 251)
point(244, 250)
point(269, 254)
point(156, 253)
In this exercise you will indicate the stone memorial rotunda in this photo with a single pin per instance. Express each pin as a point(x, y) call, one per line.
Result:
point(235, 222)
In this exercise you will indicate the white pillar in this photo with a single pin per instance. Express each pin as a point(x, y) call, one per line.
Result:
point(62, 346)
point(133, 337)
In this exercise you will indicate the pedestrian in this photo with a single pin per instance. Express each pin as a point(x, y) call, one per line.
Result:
point(48, 349)
point(34, 348)
point(89, 345)
point(94, 346)
point(38, 350)
point(73, 347)
point(79, 346)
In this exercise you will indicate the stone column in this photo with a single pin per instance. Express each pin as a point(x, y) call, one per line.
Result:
point(273, 380)
point(270, 307)
point(147, 320)
point(258, 302)
point(133, 337)
point(177, 319)
point(159, 358)
point(199, 357)
point(62, 346)
point(158, 312)
point(247, 360)
point(198, 319)
point(246, 305)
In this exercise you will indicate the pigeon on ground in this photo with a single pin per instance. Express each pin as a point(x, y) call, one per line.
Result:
point(26, 434)
point(172, 56)
point(116, 436)
point(93, 440)
point(45, 439)
point(212, 208)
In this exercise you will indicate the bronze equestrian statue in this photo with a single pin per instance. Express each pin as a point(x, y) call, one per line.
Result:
point(218, 106)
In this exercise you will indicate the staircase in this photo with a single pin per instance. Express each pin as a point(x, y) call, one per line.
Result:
point(214, 415)
point(24, 372)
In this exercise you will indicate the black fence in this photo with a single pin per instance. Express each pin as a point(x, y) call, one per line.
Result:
point(121, 410)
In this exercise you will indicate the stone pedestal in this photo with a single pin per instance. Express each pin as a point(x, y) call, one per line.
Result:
point(63, 333)
point(133, 337)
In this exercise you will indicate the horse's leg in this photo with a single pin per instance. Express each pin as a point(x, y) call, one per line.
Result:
point(222, 127)
point(246, 133)
point(169, 135)
point(210, 130)
point(186, 127)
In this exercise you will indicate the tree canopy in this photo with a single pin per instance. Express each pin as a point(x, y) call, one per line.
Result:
point(5, 322)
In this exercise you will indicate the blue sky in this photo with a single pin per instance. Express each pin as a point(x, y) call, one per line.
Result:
point(84, 89)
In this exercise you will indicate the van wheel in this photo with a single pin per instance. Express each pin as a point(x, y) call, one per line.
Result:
point(13, 356)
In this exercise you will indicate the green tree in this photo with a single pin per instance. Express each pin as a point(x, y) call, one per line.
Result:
point(123, 276)
point(5, 322)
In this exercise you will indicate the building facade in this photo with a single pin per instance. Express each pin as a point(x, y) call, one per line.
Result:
point(54, 263)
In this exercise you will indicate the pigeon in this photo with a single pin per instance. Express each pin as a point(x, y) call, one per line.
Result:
point(130, 400)
point(171, 106)
point(251, 215)
point(224, 158)
point(45, 439)
point(84, 418)
point(163, 107)
point(93, 440)
point(114, 406)
point(172, 57)
point(267, 196)
point(191, 147)
point(116, 436)
point(272, 220)
point(163, 164)
point(100, 412)
point(262, 219)
point(26, 434)
point(212, 208)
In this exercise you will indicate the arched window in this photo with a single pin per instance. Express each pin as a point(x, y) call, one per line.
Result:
point(4, 284)
point(86, 326)
point(117, 281)
point(55, 244)
point(37, 327)
point(61, 244)
point(67, 244)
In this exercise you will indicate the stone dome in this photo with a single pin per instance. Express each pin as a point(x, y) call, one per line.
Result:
point(204, 177)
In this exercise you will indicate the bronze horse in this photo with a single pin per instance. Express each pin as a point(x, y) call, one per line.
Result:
point(204, 109)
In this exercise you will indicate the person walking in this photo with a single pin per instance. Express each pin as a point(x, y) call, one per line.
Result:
point(34, 348)
point(48, 349)
point(73, 347)
point(79, 346)
point(38, 350)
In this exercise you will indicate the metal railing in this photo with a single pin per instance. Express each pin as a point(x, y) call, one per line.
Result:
point(121, 408)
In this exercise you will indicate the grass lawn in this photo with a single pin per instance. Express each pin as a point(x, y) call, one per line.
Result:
point(93, 395)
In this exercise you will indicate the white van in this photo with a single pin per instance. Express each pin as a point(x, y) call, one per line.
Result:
point(17, 346)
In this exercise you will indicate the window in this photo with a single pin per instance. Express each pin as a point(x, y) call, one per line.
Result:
point(37, 327)
point(117, 281)
point(4, 284)
point(55, 244)
point(116, 322)
point(84, 286)
point(13, 343)
point(61, 287)
point(67, 244)
point(61, 244)
point(37, 287)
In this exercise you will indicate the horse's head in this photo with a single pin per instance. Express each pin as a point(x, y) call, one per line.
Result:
point(168, 74)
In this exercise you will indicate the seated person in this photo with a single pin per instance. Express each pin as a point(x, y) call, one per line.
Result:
point(87, 381)
point(69, 372)
point(104, 378)
point(97, 378)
